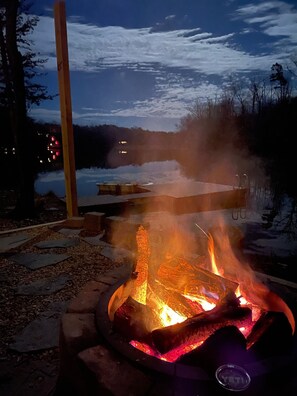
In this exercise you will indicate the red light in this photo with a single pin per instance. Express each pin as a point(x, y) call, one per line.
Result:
point(52, 138)
point(56, 142)
point(57, 153)
point(54, 157)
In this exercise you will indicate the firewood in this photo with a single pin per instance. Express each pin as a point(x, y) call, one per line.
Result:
point(121, 295)
point(134, 321)
point(270, 335)
point(192, 280)
point(139, 292)
point(174, 300)
point(201, 326)
point(226, 345)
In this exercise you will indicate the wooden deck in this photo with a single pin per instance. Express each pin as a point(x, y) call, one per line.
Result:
point(186, 197)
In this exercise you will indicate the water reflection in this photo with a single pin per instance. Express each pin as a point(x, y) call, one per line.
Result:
point(126, 164)
point(150, 172)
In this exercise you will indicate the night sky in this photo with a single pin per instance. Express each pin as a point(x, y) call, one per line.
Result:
point(144, 63)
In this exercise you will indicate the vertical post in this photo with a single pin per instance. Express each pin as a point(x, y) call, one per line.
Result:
point(65, 107)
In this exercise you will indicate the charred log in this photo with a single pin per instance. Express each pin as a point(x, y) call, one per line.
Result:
point(226, 345)
point(201, 326)
point(271, 335)
point(121, 295)
point(133, 320)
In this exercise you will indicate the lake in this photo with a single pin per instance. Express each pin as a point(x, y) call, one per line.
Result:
point(86, 179)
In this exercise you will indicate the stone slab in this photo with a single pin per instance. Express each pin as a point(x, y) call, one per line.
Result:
point(13, 241)
point(116, 254)
point(58, 243)
point(34, 261)
point(96, 286)
point(94, 240)
point(42, 333)
point(26, 379)
point(69, 231)
point(44, 286)
point(112, 374)
point(85, 302)
point(78, 332)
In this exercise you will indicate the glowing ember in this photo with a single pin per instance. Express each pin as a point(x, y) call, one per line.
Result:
point(206, 305)
point(171, 356)
point(140, 289)
point(169, 317)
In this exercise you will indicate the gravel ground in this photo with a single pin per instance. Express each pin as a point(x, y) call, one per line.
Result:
point(17, 311)
point(85, 263)
point(49, 208)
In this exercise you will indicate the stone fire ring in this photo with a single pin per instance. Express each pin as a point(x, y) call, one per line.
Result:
point(91, 365)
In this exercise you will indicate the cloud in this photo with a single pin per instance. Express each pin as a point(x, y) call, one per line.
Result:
point(93, 48)
point(171, 22)
point(186, 64)
point(41, 114)
point(274, 18)
point(165, 122)
point(256, 8)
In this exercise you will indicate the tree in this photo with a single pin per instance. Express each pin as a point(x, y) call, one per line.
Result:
point(279, 81)
point(18, 91)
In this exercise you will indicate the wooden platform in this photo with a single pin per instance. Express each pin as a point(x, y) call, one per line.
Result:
point(186, 197)
point(119, 188)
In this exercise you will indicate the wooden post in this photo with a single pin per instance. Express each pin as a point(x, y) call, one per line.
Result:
point(65, 107)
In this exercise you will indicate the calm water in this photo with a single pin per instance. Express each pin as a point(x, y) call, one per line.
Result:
point(86, 179)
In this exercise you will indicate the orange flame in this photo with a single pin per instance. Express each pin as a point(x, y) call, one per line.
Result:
point(251, 292)
point(211, 252)
point(170, 317)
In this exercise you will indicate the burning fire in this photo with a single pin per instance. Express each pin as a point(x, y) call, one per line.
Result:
point(169, 317)
point(177, 294)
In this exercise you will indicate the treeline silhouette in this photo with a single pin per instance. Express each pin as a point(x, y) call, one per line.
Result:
point(109, 146)
point(242, 142)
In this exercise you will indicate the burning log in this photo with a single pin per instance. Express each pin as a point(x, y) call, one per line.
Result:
point(201, 326)
point(174, 300)
point(121, 295)
point(224, 346)
point(141, 269)
point(134, 320)
point(271, 334)
point(194, 281)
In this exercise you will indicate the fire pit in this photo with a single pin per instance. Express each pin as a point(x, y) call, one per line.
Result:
point(256, 371)
point(225, 339)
